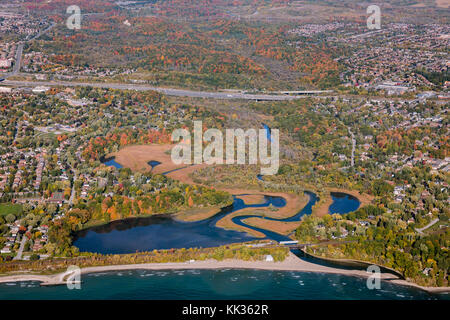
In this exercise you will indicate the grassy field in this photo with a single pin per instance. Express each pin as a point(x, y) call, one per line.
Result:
point(136, 157)
point(197, 214)
point(281, 227)
point(8, 208)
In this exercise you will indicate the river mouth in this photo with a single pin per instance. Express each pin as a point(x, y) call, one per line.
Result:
point(164, 232)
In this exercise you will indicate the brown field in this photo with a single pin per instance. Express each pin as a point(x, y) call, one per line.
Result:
point(226, 223)
point(321, 208)
point(197, 214)
point(183, 174)
point(280, 227)
point(252, 198)
point(137, 157)
point(294, 203)
point(443, 3)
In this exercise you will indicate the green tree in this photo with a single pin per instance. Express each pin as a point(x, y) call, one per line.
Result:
point(10, 218)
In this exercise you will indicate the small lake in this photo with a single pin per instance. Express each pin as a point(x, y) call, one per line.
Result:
point(343, 203)
point(111, 162)
point(153, 163)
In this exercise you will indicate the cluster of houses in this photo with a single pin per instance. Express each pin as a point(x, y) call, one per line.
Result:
point(57, 128)
point(391, 66)
point(7, 55)
point(40, 158)
point(41, 63)
point(16, 232)
point(41, 241)
point(12, 238)
point(25, 162)
point(16, 23)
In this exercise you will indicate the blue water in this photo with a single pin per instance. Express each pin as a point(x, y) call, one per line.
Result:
point(111, 162)
point(343, 203)
point(214, 284)
point(268, 131)
point(163, 232)
point(153, 163)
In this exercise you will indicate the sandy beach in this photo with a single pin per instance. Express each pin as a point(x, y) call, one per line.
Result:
point(291, 263)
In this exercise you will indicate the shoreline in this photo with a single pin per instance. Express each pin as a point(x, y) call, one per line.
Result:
point(291, 263)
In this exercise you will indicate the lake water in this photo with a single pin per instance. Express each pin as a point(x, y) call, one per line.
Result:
point(343, 203)
point(153, 163)
point(164, 232)
point(111, 162)
point(215, 284)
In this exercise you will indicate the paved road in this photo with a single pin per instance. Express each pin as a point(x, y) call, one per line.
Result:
point(167, 91)
point(18, 60)
point(353, 147)
point(22, 245)
point(72, 194)
point(420, 230)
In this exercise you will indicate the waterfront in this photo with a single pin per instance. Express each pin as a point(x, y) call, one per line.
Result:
point(215, 284)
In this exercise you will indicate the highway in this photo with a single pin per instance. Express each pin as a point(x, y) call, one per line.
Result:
point(166, 91)
point(279, 96)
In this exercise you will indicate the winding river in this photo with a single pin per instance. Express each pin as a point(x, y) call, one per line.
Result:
point(163, 232)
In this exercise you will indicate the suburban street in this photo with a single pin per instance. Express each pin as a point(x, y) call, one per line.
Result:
point(22, 246)
point(72, 194)
point(353, 147)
